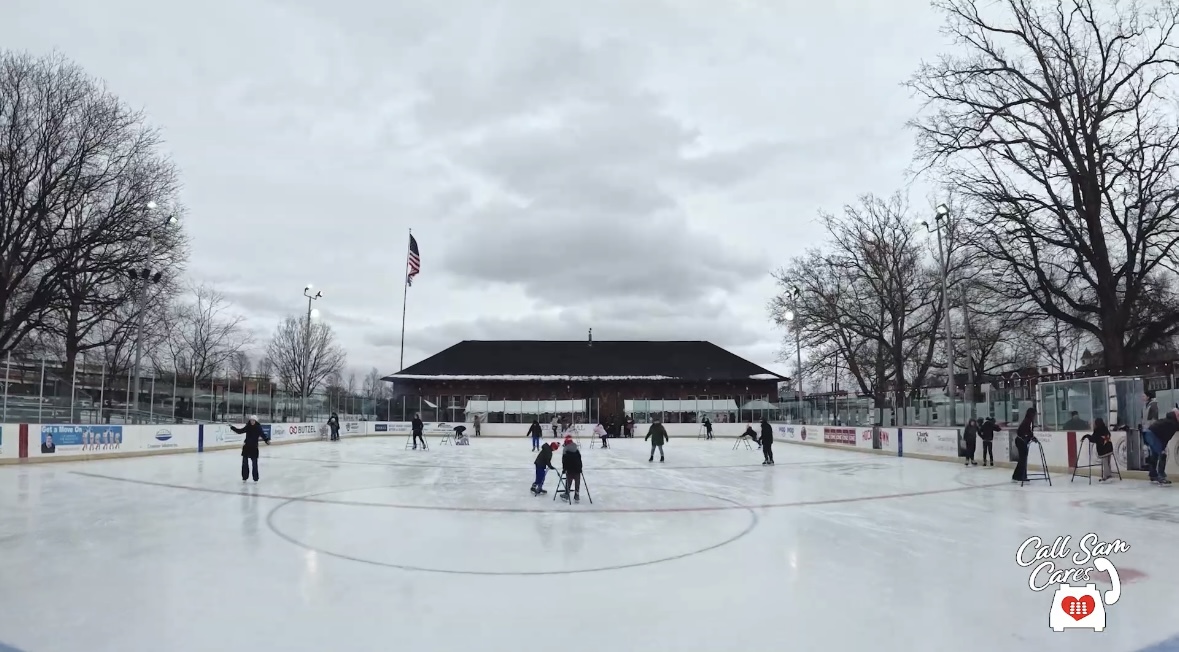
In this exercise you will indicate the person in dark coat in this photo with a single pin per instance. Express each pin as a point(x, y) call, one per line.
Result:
point(767, 442)
point(543, 462)
point(987, 434)
point(658, 435)
point(417, 427)
point(536, 432)
point(707, 428)
point(571, 465)
point(253, 432)
point(1157, 435)
point(750, 433)
point(1023, 438)
point(970, 438)
point(1102, 440)
point(334, 424)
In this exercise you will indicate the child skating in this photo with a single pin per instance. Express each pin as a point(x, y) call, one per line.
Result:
point(535, 432)
point(571, 465)
point(543, 462)
point(658, 435)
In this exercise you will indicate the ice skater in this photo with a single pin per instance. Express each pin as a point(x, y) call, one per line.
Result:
point(987, 434)
point(970, 438)
point(571, 465)
point(1103, 441)
point(1157, 435)
point(767, 443)
point(658, 435)
point(1023, 438)
point(707, 423)
point(600, 433)
point(253, 432)
point(750, 433)
point(460, 437)
point(543, 462)
point(536, 432)
point(417, 426)
point(334, 425)
point(556, 424)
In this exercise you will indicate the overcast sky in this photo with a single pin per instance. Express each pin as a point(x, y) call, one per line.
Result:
point(634, 166)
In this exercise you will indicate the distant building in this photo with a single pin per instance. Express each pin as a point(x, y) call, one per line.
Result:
point(591, 379)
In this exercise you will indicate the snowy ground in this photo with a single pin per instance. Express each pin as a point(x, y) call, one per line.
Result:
point(362, 545)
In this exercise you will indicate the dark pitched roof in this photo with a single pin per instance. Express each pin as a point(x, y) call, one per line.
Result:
point(576, 360)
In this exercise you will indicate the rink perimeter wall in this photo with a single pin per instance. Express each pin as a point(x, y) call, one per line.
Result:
point(23, 443)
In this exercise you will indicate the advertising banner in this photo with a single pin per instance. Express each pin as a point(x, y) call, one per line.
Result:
point(839, 435)
point(937, 442)
point(76, 439)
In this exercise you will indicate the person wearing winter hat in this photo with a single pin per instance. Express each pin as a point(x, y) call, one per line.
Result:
point(986, 433)
point(253, 432)
point(657, 434)
point(571, 465)
point(536, 433)
point(1156, 436)
point(543, 462)
point(600, 433)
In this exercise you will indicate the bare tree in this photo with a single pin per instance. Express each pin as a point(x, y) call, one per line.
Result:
point(304, 353)
point(1054, 126)
point(77, 168)
point(204, 336)
point(374, 388)
point(870, 299)
point(241, 365)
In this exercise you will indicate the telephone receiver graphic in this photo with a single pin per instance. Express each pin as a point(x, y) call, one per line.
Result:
point(1102, 564)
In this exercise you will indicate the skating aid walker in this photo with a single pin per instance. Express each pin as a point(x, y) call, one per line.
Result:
point(563, 481)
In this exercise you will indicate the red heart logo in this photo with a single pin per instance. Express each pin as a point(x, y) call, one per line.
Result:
point(1078, 608)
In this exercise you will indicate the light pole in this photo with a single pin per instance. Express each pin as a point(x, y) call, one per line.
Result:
point(145, 275)
point(942, 214)
point(794, 295)
point(307, 348)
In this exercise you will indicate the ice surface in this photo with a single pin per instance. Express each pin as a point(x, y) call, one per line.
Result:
point(361, 545)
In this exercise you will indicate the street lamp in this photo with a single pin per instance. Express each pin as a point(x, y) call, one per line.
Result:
point(307, 346)
point(146, 277)
point(942, 213)
point(795, 294)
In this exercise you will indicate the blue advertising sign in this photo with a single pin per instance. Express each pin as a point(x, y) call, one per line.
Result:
point(101, 437)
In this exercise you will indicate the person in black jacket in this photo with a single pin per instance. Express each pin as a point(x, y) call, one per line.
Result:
point(658, 435)
point(543, 462)
point(536, 432)
point(987, 434)
point(334, 425)
point(707, 428)
point(417, 426)
point(1023, 438)
point(750, 433)
point(767, 442)
point(253, 432)
point(1157, 435)
point(970, 437)
point(571, 465)
point(1103, 441)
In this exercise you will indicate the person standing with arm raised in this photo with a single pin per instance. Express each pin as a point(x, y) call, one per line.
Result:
point(253, 432)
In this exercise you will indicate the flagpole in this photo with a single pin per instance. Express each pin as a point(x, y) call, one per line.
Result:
point(404, 295)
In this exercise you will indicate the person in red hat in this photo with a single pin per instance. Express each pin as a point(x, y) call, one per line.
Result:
point(543, 462)
point(571, 465)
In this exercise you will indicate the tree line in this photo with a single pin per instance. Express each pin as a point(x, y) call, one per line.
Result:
point(93, 246)
point(1051, 134)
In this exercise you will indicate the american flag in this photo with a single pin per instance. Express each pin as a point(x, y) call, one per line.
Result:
point(415, 261)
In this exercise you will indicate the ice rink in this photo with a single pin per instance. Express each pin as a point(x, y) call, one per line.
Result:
point(362, 545)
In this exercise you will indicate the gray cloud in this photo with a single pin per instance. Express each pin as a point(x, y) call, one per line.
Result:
point(626, 166)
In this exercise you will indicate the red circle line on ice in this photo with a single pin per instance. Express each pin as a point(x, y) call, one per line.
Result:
point(749, 528)
point(586, 509)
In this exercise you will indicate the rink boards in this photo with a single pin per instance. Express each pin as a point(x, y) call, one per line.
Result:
point(49, 442)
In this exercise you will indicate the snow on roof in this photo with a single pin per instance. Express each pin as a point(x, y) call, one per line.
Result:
point(528, 378)
point(764, 377)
